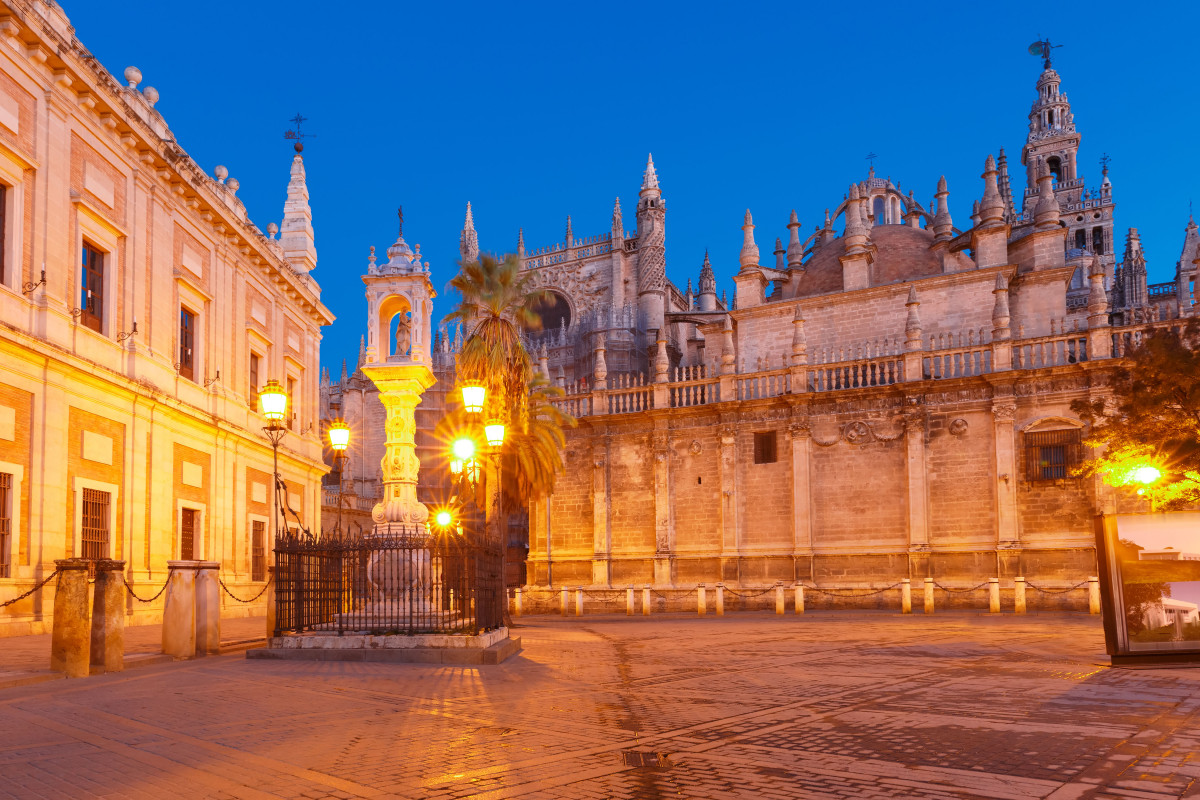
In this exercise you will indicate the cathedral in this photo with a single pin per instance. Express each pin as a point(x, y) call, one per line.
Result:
point(887, 397)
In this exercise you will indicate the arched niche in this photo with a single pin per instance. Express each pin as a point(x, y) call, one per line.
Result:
point(395, 327)
point(553, 309)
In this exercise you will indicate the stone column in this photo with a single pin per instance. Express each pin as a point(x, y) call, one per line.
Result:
point(601, 535)
point(108, 617)
point(802, 546)
point(729, 506)
point(208, 609)
point(70, 637)
point(664, 529)
point(1003, 412)
point(918, 490)
point(179, 610)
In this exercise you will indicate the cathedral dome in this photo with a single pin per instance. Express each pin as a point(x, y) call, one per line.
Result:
point(902, 253)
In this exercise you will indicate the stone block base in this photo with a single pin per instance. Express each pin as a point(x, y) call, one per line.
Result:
point(492, 647)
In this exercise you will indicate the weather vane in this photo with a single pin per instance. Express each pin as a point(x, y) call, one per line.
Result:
point(400, 214)
point(1104, 161)
point(871, 157)
point(1042, 48)
point(296, 134)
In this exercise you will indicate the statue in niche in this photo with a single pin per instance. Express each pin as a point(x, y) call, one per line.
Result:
point(403, 333)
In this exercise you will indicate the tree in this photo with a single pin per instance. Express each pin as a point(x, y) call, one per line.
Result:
point(1150, 428)
point(497, 301)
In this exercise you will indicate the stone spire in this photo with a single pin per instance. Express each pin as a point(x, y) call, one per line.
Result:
point(795, 250)
point(780, 264)
point(1010, 211)
point(362, 352)
point(618, 226)
point(991, 208)
point(520, 242)
point(468, 240)
point(570, 237)
point(799, 342)
point(649, 177)
point(342, 380)
point(297, 240)
point(1133, 272)
point(943, 226)
point(856, 232)
point(912, 326)
point(1000, 312)
point(1045, 213)
point(749, 255)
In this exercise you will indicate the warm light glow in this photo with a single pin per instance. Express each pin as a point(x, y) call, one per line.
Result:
point(463, 449)
point(456, 466)
point(473, 395)
point(273, 401)
point(339, 435)
point(1146, 474)
point(443, 518)
point(494, 431)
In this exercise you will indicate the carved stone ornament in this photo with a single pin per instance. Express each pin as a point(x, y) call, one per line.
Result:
point(958, 427)
point(857, 433)
point(661, 440)
point(1004, 413)
point(914, 422)
point(800, 428)
point(695, 447)
point(728, 433)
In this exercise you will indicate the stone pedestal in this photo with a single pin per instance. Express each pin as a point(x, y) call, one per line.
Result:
point(179, 611)
point(208, 608)
point(70, 639)
point(108, 617)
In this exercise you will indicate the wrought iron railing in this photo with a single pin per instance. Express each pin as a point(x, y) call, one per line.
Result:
point(375, 584)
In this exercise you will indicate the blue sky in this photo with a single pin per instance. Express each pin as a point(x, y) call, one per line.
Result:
point(534, 111)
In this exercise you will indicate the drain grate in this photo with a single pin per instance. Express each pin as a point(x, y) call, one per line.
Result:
point(646, 758)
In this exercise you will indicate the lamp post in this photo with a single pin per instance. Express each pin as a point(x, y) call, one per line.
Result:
point(339, 440)
point(273, 404)
point(474, 397)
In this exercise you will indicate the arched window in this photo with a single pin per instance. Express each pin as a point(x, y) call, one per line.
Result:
point(877, 211)
point(553, 310)
point(895, 217)
point(1054, 164)
point(1080, 239)
point(1098, 241)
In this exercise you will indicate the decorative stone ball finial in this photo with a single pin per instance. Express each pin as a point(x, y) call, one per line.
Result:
point(234, 185)
point(273, 229)
point(134, 76)
point(221, 173)
point(151, 95)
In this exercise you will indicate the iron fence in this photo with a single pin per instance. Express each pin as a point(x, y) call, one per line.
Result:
point(437, 582)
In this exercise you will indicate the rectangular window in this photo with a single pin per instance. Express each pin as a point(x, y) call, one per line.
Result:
point(254, 361)
point(1080, 239)
point(291, 394)
point(95, 533)
point(1098, 241)
point(91, 288)
point(6, 531)
point(187, 535)
point(1051, 455)
point(187, 343)
point(258, 551)
point(3, 232)
point(764, 448)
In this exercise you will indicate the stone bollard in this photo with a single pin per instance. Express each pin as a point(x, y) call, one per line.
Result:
point(993, 595)
point(70, 637)
point(208, 609)
point(269, 594)
point(517, 601)
point(579, 601)
point(799, 598)
point(1019, 595)
point(179, 610)
point(905, 596)
point(108, 617)
point(720, 599)
point(564, 602)
point(646, 600)
point(780, 604)
point(630, 603)
point(929, 595)
point(701, 601)
point(1093, 595)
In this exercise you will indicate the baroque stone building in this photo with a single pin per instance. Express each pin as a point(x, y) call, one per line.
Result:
point(888, 397)
point(128, 411)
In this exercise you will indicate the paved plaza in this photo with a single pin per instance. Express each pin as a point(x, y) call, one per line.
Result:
point(829, 705)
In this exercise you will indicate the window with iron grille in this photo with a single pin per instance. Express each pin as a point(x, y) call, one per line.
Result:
point(187, 535)
point(91, 288)
point(3, 231)
point(1051, 455)
point(254, 362)
point(258, 551)
point(291, 399)
point(95, 533)
point(764, 448)
point(187, 341)
point(6, 531)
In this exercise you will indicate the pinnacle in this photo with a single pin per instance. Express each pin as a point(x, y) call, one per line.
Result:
point(942, 186)
point(793, 219)
point(469, 225)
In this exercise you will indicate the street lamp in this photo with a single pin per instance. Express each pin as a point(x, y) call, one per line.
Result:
point(339, 440)
point(473, 395)
point(494, 433)
point(273, 403)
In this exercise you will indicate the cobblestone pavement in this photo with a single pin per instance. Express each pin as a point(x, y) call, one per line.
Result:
point(829, 705)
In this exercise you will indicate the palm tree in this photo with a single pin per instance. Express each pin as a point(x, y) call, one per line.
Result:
point(497, 301)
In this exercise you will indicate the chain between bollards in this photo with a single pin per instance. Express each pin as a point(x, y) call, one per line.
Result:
point(31, 591)
point(133, 594)
point(240, 600)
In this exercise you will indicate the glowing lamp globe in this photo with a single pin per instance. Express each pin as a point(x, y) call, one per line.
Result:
point(339, 435)
point(494, 432)
point(273, 401)
point(463, 449)
point(1147, 474)
point(443, 518)
point(473, 395)
point(456, 466)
